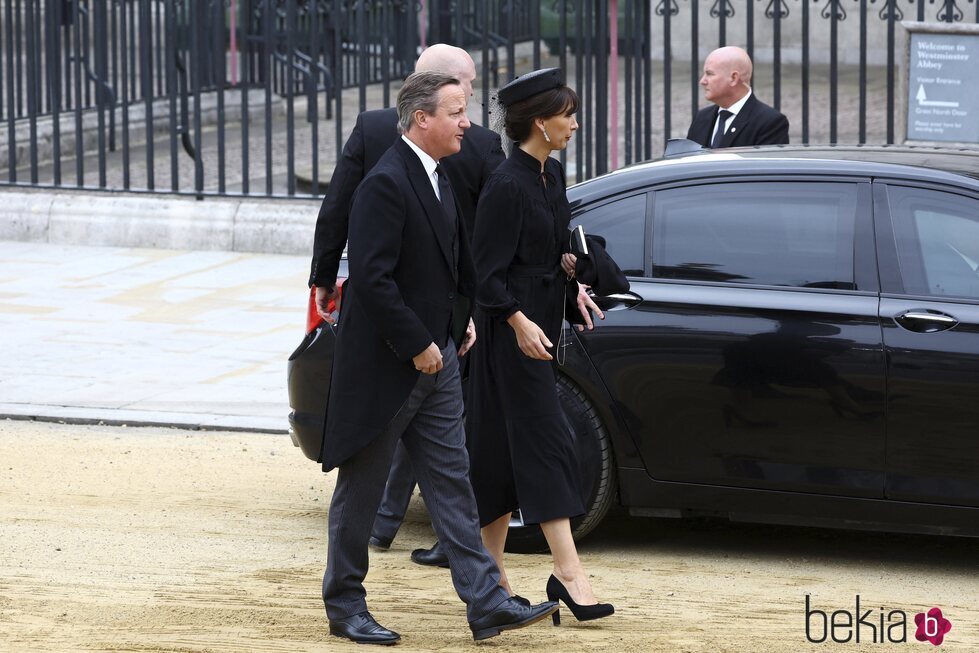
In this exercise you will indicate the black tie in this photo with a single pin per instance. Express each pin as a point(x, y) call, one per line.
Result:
point(722, 117)
point(449, 206)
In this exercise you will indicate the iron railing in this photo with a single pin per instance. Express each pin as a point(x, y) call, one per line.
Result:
point(256, 97)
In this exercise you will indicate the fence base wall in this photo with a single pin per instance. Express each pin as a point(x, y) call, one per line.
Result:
point(128, 220)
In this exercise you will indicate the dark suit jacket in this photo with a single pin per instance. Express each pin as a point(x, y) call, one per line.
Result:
point(373, 134)
point(402, 295)
point(756, 124)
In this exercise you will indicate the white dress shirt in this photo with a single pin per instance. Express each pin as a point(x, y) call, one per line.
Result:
point(734, 109)
point(428, 163)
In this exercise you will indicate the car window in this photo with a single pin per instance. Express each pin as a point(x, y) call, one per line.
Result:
point(622, 224)
point(775, 233)
point(937, 237)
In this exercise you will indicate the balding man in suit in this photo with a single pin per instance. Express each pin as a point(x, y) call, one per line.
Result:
point(736, 117)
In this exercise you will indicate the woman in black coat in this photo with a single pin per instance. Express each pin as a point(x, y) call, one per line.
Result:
point(521, 446)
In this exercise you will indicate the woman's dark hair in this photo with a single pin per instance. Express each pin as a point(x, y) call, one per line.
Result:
point(520, 116)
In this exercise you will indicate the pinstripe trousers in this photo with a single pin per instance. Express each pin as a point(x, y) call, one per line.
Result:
point(397, 495)
point(430, 426)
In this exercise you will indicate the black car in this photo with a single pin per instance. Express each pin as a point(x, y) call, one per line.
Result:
point(800, 344)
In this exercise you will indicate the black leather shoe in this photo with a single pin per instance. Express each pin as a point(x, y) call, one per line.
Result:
point(510, 615)
point(382, 543)
point(434, 557)
point(363, 629)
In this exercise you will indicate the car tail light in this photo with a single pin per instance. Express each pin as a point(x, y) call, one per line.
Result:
point(313, 318)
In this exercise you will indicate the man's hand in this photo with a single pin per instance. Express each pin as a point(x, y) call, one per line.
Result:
point(323, 297)
point(429, 361)
point(530, 337)
point(470, 338)
point(567, 263)
point(585, 305)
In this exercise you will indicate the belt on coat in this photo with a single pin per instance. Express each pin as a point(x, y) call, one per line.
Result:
point(547, 271)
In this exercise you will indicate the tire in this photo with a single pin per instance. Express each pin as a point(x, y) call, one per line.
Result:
point(596, 466)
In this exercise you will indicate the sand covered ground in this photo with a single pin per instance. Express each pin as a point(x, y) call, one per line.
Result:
point(163, 540)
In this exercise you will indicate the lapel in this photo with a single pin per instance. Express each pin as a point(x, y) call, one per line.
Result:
point(426, 195)
point(740, 122)
point(706, 127)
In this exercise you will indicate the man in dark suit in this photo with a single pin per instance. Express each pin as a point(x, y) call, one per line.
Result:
point(396, 371)
point(737, 117)
point(374, 132)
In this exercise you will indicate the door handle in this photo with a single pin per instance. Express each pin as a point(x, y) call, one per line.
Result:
point(616, 301)
point(925, 321)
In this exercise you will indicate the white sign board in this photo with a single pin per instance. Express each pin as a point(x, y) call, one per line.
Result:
point(943, 87)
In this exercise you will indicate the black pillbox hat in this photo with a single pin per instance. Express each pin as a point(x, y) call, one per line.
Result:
point(529, 85)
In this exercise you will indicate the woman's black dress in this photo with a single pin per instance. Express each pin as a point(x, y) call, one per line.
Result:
point(521, 447)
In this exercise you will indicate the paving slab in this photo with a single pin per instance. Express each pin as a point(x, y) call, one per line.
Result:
point(194, 339)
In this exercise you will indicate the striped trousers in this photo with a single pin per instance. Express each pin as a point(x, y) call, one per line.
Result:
point(430, 425)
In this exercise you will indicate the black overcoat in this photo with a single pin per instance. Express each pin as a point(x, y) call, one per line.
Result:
point(756, 124)
point(402, 295)
point(374, 132)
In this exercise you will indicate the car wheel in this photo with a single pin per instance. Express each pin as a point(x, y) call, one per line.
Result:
point(596, 467)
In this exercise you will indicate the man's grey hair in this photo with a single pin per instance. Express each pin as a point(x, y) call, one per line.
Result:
point(420, 92)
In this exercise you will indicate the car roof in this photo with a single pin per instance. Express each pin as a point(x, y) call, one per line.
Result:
point(930, 164)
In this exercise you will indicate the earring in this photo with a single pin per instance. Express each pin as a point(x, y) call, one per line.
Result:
point(546, 137)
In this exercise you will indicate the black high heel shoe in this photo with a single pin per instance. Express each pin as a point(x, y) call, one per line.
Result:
point(556, 590)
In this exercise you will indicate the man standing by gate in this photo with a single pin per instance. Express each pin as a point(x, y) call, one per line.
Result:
point(737, 117)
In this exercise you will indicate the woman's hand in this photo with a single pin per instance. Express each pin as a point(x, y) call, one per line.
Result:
point(530, 337)
point(470, 338)
point(585, 306)
point(567, 263)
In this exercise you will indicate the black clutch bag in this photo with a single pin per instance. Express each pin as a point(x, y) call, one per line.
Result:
point(594, 266)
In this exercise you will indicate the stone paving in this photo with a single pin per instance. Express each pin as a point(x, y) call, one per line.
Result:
point(148, 336)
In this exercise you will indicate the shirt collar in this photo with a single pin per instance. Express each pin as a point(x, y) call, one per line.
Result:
point(526, 159)
point(427, 162)
point(737, 106)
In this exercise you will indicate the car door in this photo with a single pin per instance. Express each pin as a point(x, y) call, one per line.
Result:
point(929, 253)
point(749, 352)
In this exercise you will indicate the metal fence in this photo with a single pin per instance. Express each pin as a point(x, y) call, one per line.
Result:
point(257, 96)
